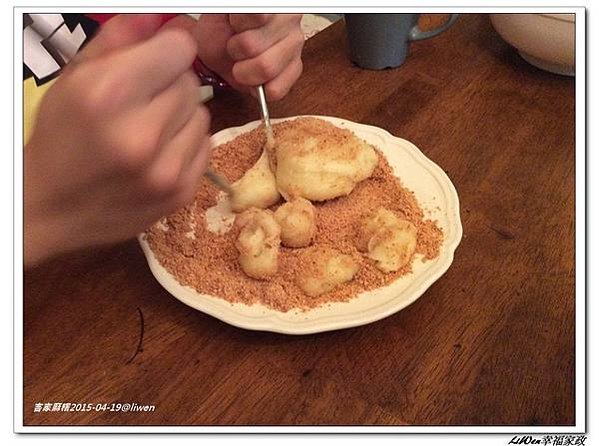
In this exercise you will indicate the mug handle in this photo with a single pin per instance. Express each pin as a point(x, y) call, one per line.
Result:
point(417, 34)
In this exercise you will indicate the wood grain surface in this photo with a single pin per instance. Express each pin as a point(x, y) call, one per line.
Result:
point(491, 342)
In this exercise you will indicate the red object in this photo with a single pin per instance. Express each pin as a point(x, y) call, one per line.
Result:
point(103, 18)
point(207, 76)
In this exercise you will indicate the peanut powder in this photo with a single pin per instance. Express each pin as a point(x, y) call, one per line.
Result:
point(208, 262)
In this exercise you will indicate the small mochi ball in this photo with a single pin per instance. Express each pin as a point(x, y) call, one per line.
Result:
point(297, 219)
point(324, 269)
point(387, 239)
point(258, 243)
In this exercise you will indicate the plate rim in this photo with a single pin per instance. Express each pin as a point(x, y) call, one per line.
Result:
point(270, 322)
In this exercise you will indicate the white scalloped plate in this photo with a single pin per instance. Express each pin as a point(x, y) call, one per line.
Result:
point(435, 193)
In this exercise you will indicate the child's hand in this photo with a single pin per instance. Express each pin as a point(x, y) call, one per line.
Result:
point(120, 140)
point(248, 50)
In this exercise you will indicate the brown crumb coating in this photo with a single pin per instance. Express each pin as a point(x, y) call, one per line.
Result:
point(208, 261)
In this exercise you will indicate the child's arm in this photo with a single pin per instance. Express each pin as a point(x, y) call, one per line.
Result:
point(248, 50)
point(120, 140)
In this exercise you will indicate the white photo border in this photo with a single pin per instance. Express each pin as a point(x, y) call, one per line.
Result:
point(580, 227)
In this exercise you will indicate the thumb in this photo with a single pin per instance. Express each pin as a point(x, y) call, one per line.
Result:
point(120, 31)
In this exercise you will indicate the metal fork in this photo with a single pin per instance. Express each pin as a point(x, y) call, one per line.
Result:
point(220, 181)
point(265, 115)
point(270, 138)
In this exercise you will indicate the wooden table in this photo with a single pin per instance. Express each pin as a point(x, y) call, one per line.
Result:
point(491, 342)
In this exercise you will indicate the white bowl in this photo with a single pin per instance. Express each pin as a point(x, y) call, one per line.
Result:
point(544, 40)
point(434, 192)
